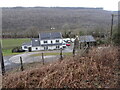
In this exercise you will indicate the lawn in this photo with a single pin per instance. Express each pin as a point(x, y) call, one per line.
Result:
point(8, 52)
point(9, 44)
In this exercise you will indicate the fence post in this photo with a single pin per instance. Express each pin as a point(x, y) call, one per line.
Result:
point(21, 64)
point(2, 61)
point(61, 57)
point(74, 52)
point(43, 58)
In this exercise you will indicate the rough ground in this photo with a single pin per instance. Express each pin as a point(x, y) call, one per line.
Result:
point(98, 69)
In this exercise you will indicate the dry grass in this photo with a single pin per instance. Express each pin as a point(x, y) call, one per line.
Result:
point(99, 69)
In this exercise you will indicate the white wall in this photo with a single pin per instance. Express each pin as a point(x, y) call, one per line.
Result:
point(51, 47)
point(38, 48)
point(49, 41)
point(25, 48)
point(42, 48)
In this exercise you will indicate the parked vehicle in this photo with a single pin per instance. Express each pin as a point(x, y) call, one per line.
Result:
point(17, 49)
point(67, 44)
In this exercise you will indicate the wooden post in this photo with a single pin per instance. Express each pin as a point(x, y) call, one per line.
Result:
point(43, 58)
point(21, 64)
point(74, 48)
point(2, 61)
point(73, 51)
point(61, 57)
point(80, 45)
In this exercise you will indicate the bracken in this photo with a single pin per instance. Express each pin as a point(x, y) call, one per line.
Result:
point(98, 69)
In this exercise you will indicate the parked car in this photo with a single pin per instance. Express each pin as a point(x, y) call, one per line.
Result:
point(17, 49)
point(67, 44)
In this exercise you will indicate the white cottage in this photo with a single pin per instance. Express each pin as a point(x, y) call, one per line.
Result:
point(51, 41)
point(47, 41)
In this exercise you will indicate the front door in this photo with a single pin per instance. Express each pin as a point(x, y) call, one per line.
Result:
point(29, 49)
point(46, 48)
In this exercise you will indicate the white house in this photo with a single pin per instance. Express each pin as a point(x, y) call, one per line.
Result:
point(46, 41)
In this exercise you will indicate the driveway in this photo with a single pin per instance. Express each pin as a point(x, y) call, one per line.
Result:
point(14, 61)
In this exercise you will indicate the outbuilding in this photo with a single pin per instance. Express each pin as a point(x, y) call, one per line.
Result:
point(87, 40)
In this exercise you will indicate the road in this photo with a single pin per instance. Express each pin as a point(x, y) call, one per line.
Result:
point(14, 61)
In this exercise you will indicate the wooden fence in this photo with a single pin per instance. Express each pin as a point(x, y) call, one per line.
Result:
point(21, 60)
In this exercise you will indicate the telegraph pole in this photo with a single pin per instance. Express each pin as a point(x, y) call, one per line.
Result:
point(111, 27)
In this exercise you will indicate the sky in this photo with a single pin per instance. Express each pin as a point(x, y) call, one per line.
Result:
point(106, 4)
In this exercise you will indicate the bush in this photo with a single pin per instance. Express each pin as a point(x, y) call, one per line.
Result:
point(99, 42)
point(116, 36)
point(116, 39)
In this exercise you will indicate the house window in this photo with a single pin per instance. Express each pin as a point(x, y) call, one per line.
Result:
point(57, 41)
point(57, 47)
point(51, 42)
point(45, 41)
point(46, 48)
point(25, 47)
point(64, 46)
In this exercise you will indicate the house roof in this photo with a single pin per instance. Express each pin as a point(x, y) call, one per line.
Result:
point(26, 43)
point(87, 38)
point(52, 35)
point(56, 35)
point(35, 42)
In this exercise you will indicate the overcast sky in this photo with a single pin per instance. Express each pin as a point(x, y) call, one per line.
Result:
point(106, 4)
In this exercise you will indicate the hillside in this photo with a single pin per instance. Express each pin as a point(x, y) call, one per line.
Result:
point(44, 18)
point(98, 69)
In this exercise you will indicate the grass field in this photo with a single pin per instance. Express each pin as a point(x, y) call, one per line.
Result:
point(9, 44)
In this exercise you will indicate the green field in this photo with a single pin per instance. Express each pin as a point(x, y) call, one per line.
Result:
point(9, 44)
